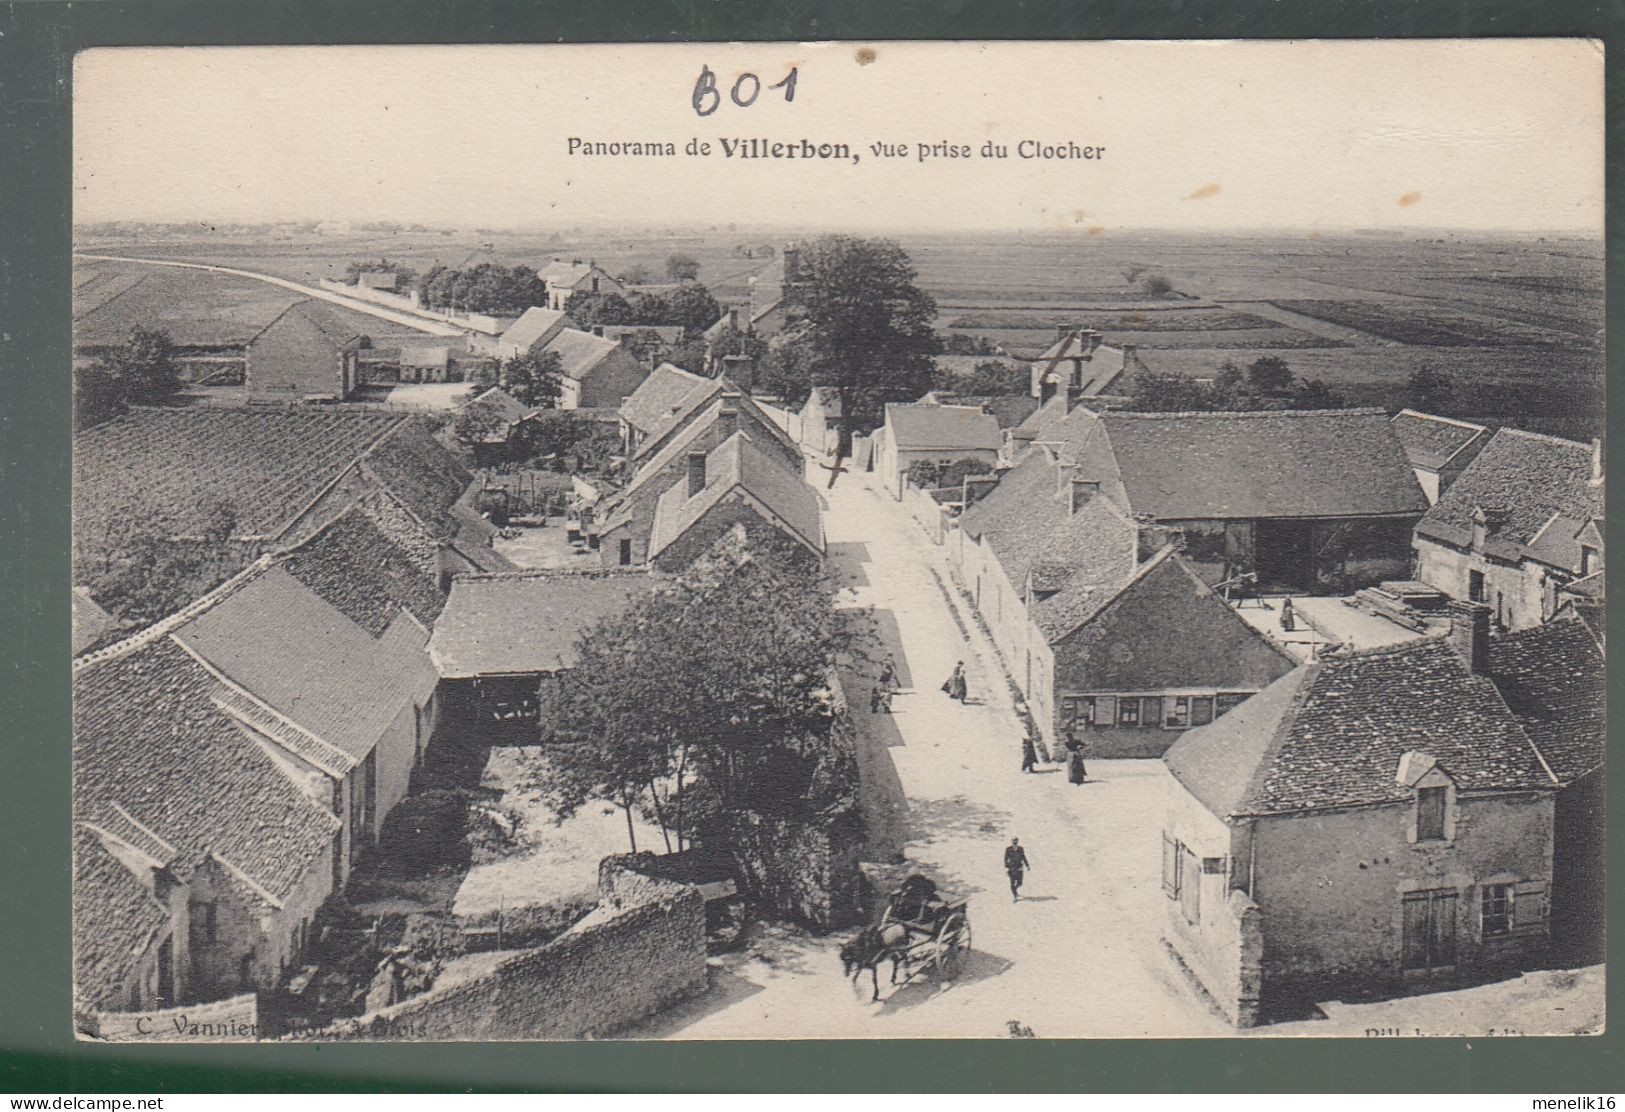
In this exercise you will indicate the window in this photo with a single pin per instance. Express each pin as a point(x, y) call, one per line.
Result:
point(1128, 712)
point(1229, 700)
point(1475, 587)
point(1201, 710)
point(210, 925)
point(1151, 710)
point(1179, 713)
point(1105, 710)
point(1529, 907)
point(1495, 917)
point(1588, 559)
point(1430, 813)
point(626, 550)
point(1077, 710)
point(1170, 867)
point(1190, 889)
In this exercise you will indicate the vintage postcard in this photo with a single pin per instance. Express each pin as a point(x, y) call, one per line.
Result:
point(839, 540)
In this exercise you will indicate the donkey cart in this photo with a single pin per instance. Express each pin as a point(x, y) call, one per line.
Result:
point(921, 933)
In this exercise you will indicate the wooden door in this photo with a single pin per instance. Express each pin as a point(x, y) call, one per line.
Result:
point(1429, 934)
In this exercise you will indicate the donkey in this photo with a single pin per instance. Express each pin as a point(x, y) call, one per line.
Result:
point(870, 947)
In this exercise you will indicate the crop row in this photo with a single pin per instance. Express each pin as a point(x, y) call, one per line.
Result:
point(1420, 325)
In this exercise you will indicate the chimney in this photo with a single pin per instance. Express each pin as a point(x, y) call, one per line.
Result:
point(727, 418)
point(696, 473)
point(1046, 388)
point(1470, 634)
point(1082, 491)
point(733, 319)
point(740, 370)
point(1091, 340)
point(1060, 332)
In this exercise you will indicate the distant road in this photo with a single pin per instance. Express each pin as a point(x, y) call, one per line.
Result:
point(422, 324)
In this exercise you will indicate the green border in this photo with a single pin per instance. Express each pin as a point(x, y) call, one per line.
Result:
point(36, 51)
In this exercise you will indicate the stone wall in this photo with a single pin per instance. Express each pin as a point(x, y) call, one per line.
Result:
point(804, 867)
point(1225, 953)
point(616, 966)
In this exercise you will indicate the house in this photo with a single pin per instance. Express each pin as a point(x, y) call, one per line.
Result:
point(530, 332)
point(1009, 410)
point(1302, 501)
point(656, 335)
point(738, 488)
point(1520, 524)
point(305, 354)
point(697, 405)
point(275, 477)
point(1439, 448)
point(821, 420)
point(1372, 819)
point(1105, 628)
point(656, 398)
point(425, 362)
point(563, 280)
point(596, 373)
point(624, 522)
point(1079, 364)
point(940, 434)
point(1554, 679)
point(501, 637)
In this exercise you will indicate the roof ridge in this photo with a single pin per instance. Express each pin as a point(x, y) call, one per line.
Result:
point(1155, 415)
point(168, 624)
point(554, 573)
point(1544, 438)
point(1408, 412)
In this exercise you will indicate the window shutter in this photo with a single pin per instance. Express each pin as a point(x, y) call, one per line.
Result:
point(1170, 867)
point(1529, 906)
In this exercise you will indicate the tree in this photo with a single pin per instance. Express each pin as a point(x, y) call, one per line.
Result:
point(1156, 285)
point(485, 288)
point(479, 424)
point(1312, 393)
point(142, 371)
point(709, 695)
point(648, 308)
point(588, 309)
point(872, 337)
point(1269, 375)
point(534, 379)
point(962, 343)
point(405, 276)
point(96, 395)
point(1428, 389)
point(638, 275)
point(992, 377)
point(693, 307)
point(682, 268)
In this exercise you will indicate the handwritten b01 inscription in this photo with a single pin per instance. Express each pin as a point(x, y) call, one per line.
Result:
point(746, 88)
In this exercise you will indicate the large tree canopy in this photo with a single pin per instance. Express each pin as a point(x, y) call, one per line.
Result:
point(872, 335)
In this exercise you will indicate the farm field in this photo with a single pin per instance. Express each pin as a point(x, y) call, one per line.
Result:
point(1516, 322)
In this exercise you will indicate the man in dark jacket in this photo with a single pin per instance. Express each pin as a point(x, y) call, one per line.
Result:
point(1015, 864)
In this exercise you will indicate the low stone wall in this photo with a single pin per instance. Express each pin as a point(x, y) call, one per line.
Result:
point(1225, 953)
point(624, 961)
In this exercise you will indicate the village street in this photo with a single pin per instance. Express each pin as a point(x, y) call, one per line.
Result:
point(949, 778)
point(1081, 955)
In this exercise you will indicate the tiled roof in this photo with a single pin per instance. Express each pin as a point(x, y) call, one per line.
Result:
point(422, 475)
point(1559, 542)
point(1099, 544)
point(534, 326)
point(1554, 678)
point(499, 403)
point(334, 330)
point(357, 569)
point(1009, 410)
point(1524, 478)
point(1268, 464)
point(527, 621)
point(282, 643)
point(665, 333)
point(424, 355)
point(171, 465)
point(116, 919)
point(945, 427)
point(738, 464)
point(560, 273)
point(1432, 442)
point(149, 736)
point(1335, 739)
point(658, 395)
point(579, 352)
point(696, 403)
point(91, 624)
point(1027, 488)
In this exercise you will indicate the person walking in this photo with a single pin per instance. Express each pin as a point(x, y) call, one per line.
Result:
point(1075, 749)
point(874, 700)
point(955, 685)
point(1289, 621)
point(1015, 866)
point(1029, 753)
point(888, 673)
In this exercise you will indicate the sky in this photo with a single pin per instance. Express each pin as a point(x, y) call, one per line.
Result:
point(1502, 135)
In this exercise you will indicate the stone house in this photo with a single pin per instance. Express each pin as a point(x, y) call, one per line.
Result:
point(656, 398)
point(1554, 679)
point(1104, 627)
point(624, 522)
point(1300, 501)
point(1079, 364)
point(940, 434)
point(502, 637)
point(530, 332)
point(1371, 819)
point(305, 354)
point(1521, 524)
point(564, 279)
point(737, 488)
point(1439, 448)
